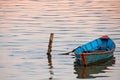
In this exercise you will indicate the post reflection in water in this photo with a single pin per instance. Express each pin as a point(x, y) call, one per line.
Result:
point(86, 72)
point(49, 57)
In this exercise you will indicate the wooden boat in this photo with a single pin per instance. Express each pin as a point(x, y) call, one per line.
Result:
point(96, 51)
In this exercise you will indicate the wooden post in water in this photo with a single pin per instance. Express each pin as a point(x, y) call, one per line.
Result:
point(50, 44)
point(49, 57)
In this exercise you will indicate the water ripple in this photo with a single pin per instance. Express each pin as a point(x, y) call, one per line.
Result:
point(25, 26)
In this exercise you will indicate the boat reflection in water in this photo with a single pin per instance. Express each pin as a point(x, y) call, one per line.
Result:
point(87, 71)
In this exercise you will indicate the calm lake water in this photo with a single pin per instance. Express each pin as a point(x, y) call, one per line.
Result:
point(25, 26)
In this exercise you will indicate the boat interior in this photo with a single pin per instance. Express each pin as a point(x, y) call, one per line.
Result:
point(100, 44)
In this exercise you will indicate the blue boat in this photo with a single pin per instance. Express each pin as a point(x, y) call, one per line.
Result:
point(96, 51)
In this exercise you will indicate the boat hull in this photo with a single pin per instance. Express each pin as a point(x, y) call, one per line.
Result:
point(94, 58)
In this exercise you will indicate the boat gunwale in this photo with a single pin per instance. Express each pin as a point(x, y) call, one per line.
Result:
point(97, 52)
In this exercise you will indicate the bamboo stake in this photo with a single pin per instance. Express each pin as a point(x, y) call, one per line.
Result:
point(50, 43)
